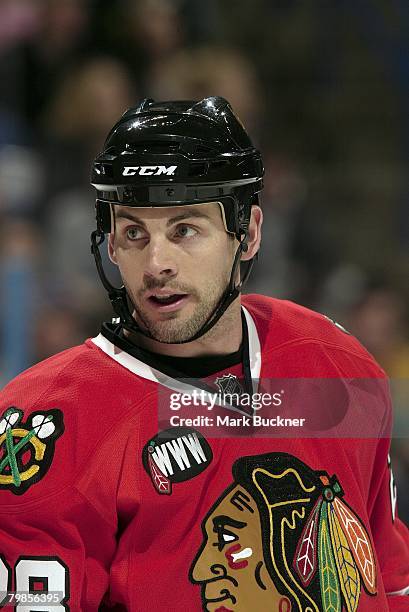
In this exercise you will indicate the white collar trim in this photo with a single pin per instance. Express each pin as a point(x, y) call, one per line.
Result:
point(143, 370)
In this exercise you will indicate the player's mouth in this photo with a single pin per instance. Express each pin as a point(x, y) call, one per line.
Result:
point(166, 301)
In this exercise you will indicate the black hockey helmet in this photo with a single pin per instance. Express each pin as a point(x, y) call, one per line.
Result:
point(174, 154)
point(178, 153)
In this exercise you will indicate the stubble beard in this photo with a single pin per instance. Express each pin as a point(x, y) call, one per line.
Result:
point(176, 328)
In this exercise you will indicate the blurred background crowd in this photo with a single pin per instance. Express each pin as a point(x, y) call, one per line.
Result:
point(322, 87)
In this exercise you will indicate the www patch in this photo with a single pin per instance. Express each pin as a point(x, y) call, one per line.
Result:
point(175, 455)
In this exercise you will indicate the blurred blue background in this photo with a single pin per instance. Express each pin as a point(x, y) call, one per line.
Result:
point(323, 89)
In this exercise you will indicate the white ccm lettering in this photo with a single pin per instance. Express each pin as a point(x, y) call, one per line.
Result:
point(148, 170)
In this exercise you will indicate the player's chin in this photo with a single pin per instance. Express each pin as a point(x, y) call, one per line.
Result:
point(172, 334)
point(168, 320)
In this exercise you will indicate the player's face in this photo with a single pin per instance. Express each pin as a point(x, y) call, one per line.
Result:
point(175, 263)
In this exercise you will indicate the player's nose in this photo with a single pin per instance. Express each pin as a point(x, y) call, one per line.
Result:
point(161, 258)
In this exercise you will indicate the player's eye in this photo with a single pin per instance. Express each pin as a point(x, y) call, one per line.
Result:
point(185, 231)
point(134, 233)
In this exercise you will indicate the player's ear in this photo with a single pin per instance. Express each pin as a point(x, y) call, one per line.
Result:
point(111, 248)
point(254, 233)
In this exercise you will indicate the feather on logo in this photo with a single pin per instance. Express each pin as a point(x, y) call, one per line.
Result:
point(335, 543)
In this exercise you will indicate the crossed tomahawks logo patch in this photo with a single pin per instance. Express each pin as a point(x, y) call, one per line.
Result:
point(27, 448)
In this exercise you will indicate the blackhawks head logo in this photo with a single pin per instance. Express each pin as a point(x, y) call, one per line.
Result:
point(27, 449)
point(282, 538)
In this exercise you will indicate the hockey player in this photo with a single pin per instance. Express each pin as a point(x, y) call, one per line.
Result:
point(124, 483)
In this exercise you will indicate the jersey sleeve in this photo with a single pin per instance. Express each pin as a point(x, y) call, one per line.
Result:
point(56, 547)
point(390, 534)
point(60, 549)
point(57, 538)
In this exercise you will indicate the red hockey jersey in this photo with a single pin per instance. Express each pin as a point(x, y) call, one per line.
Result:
point(105, 505)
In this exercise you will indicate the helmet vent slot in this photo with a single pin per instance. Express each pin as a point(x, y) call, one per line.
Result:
point(154, 146)
point(204, 150)
point(197, 169)
point(221, 163)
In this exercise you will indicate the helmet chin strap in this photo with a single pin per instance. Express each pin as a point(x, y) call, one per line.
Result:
point(119, 296)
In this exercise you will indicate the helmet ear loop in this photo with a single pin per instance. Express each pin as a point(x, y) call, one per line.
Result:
point(117, 295)
point(242, 248)
point(97, 238)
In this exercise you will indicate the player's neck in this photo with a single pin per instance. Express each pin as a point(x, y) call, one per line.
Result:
point(223, 339)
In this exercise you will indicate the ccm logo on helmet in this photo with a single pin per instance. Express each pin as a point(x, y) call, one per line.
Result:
point(148, 170)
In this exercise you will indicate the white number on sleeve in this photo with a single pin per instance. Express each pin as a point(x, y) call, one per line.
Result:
point(51, 574)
